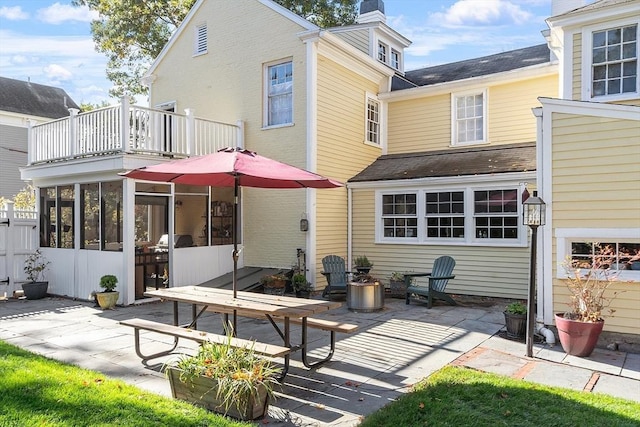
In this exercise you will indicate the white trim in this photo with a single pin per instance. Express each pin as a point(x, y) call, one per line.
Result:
point(586, 56)
point(289, 14)
point(566, 236)
point(446, 180)
point(454, 117)
point(597, 109)
point(311, 152)
point(474, 83)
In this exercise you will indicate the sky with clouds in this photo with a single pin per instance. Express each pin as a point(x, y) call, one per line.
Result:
point(49, 42)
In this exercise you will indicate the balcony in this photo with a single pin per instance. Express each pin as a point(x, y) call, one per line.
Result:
point(129, 129)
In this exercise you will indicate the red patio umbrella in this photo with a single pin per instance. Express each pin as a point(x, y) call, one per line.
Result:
point(233, 167)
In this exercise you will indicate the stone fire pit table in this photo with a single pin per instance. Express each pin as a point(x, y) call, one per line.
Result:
point(365, 297)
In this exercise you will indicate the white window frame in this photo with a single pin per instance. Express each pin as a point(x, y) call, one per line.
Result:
point(381, 217)
point(200, 32)
point(455, 119)
point(439, 215)
point(369, 97)
point(587, 61)
point(469, 222)
point(266, 96)
point(566, 236)
point(395, 59)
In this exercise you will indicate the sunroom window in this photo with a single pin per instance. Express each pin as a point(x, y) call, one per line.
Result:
point(399, 215)
point(496, 214)
point(606, 255)
point(445, 215)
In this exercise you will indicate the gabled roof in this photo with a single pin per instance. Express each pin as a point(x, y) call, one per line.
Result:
point(34, 99)
point(492, 64)
point(452, 162)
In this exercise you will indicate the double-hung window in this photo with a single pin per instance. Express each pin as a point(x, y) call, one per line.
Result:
point(496, 214)
point(373, 121)
point(469, 118)
point(444, 212)
point(382, 52)
point(615, 61)
point(400, 215)
point(279, 96)
point(395, 59)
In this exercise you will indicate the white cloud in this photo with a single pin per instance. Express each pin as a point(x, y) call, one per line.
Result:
point(57, 72)
point(14, 13)
point(58, 13)
point(466, 13)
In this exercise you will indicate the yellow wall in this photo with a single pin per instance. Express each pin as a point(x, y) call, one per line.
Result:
point(596, 184)
point(226, 84)
point(484, 271)
point(576, 69)
point(342, 152)
point(425, 124)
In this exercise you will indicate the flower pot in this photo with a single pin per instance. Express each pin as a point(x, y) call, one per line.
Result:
point(398, 288)
point(35, 290)
point(107, 300)
point(202, 392)
point(578, 338)
point(363, 270)
point(516, 325)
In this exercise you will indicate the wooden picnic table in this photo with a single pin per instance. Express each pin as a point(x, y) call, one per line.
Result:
point(250, 304)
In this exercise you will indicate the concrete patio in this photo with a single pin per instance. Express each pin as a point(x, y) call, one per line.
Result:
point(393, 349)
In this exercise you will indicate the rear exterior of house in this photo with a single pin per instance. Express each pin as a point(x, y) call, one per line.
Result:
point(589, 146)
point(461, 155)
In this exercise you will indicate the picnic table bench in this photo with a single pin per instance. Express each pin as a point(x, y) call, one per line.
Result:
point(197, 336)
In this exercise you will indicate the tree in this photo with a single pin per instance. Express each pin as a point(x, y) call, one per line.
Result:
point(87, 106)
point(132, 33)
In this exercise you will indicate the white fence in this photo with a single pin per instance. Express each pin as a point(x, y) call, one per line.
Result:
point(18, 239)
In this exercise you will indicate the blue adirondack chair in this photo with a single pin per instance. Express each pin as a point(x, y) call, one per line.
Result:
point(438, 279)
point(336, 274)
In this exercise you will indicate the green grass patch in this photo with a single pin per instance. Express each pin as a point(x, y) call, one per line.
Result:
point(456, 396)
point(37, 391)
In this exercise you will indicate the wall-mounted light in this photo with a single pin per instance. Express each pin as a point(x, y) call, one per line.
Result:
point(304, 223)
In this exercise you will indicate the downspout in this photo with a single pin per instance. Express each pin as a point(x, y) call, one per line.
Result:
point(349, 226)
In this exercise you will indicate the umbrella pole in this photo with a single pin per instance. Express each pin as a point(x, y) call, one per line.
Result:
point(235, 248)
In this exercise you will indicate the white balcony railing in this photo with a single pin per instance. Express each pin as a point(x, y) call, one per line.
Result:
point(130, 129)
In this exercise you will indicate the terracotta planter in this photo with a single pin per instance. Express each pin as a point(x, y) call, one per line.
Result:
point(578, 338)
point(202, 392)
point(35, 290)
point(516, 325)
point(107, 300)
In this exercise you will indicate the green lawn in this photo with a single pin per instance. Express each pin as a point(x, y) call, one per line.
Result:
point(456, 396)
point(36, 391)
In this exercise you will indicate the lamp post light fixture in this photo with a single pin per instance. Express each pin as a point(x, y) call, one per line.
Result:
point(533, 215)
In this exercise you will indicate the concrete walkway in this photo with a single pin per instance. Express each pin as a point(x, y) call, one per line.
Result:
point(393, 349)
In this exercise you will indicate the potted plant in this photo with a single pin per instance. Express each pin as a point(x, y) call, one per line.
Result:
point(397, 285)
point(362, 264)
point(580, 327)
point(300, 285)
point(109, 297)
point(35, 266)
point(515, 317)
point(229, 380)
point(274, 284)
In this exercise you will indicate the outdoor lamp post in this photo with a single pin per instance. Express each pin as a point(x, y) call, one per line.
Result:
point(533, 215)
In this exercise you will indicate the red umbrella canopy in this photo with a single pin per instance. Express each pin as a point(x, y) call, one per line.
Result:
point(221, 168)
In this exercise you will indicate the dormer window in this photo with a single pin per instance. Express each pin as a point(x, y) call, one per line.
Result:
point(395, 59)
point(382, 52)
